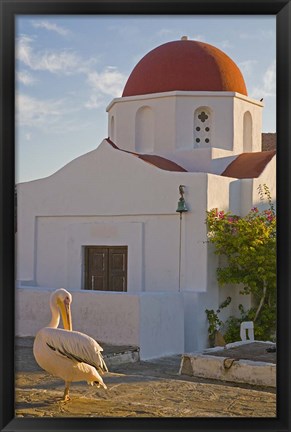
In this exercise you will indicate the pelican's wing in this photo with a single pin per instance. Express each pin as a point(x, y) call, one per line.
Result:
point(76, 346)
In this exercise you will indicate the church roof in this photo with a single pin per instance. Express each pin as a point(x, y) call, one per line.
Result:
point(248, 165)
point(185, 65)
point(158, 161)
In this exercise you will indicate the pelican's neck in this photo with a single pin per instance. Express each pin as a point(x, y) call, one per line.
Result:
point(55, 316)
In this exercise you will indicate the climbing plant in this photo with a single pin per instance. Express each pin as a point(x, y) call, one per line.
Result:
point(249, 246)
point(214, 321)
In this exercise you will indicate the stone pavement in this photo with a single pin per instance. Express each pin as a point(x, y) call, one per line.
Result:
point(135, 389)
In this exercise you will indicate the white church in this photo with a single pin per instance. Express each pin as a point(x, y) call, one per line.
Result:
point(184, 136)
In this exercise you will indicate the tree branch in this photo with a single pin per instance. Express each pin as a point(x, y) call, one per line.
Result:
point(261, 302)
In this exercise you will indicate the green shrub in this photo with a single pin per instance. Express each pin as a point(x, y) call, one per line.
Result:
point(249, 246)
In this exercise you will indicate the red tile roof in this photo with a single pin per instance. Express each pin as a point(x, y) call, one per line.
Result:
point(248, 165)
point(158, 161)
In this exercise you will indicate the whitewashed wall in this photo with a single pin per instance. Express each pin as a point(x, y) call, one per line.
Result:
point(133, 203)
point(172, 120)
point(110, 197)
point(254, 108)
point(152, 321)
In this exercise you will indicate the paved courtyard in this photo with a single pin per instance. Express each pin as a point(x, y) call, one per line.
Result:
point(139, 389)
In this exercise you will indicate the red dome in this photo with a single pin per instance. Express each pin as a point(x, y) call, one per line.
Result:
point(185, 65)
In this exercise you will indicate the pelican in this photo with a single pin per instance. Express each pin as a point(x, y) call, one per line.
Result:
point(67, 354)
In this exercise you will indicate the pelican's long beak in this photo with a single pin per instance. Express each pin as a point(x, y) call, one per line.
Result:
point(66, 314)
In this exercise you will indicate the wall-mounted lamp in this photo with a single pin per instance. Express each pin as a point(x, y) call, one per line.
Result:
point(182, 208)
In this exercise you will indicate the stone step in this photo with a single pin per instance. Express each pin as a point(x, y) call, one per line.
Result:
point(243, 362)
point(114, 355)
point(118, 357)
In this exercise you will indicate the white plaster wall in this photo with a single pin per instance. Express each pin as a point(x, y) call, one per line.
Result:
point(59, 213)
point(195, 335)
point(193, 245)
point(173, 114)
point(208, 160)
point(249, 188)
point(145, 130)
point(174, 119)
point(246, 196)
point(153, 249)
point(218, 193)
point(152, 321)
point(60, 242)
point(125, 111)
point(107, 317)
point(161, 253)
point(162, 324)
point(220, 105)
point(241, 106)
point(25, 250)
point(267, 177)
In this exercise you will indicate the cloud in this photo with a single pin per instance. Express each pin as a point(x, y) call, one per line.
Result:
point(109, 82)
point(53, 116)
point(268, 88)
point(25, 78)
point(24, 50)
point(225, 44)
point(269, 79)
point(95, 101)
point(63, 62)
point(259, 35)
point(50, 26)
point(247, 66)
point(35, 112)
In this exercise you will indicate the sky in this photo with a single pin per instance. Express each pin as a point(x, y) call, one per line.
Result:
point(69, 68)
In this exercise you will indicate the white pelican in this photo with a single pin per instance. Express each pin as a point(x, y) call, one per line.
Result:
point(67, 354)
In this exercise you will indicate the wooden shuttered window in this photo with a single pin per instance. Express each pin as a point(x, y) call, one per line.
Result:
point(106, 268)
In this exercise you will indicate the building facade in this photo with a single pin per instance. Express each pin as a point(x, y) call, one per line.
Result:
point(105, 226)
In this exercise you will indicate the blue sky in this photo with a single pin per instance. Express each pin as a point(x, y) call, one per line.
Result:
point(68, 69)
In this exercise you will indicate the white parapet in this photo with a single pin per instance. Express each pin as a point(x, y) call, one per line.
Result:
point(205, 365)
point(140, 319)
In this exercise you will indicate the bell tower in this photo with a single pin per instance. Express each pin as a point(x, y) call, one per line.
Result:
point(186, 100)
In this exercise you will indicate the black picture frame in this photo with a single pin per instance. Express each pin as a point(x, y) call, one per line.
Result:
point(9, 9)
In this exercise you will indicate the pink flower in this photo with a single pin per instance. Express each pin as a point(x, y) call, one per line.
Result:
point(255, 209)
